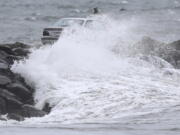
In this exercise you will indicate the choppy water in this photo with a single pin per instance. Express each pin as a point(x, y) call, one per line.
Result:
point(98, 80)
point(24, 20)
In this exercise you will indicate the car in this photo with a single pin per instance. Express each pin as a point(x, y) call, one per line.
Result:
point(51, 34)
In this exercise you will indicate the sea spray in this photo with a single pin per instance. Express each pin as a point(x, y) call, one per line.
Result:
point(93, 75)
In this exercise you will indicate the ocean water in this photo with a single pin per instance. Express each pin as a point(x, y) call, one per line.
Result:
point(97, 81)
point(24, 20)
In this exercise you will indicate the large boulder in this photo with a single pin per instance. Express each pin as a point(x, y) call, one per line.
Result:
point(30, 111)
point(16, 51)
point(148, 46)
point(2, 106)
point(3, 66)
point(19, 45)
point(15, 116)
point(175, 55)
point(175, 44)
point(12, 101)
point(169, 52)
point(7, 50)
point(47, 108)
point(4, 80)
point(21, 51)
point(16, 96)
point(3, 55)
point(26, 111)
point(21, 91)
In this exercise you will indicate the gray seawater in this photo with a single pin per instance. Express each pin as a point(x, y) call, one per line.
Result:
point(160, 19)
point(24, 20)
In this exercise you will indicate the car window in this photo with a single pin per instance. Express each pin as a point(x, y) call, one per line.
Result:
point(68, 22)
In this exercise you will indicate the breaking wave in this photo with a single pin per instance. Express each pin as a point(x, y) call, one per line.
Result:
point(95, 75)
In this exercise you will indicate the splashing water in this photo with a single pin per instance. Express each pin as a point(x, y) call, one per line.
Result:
point(94, 75)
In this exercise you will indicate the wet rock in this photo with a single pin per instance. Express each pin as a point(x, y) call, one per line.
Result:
point(16, 97)
point(21, 51)
point(2, 106)
point(169, 52)
point(11, 58)
point(149, 46)
point(3, 61)
point(20, 45)
point(21, 91)
point(175, 44)
point(6, 49)
point(16, 51)
point(16, 45)
point(4, 80)
point(47, 108)
point(3, 66)
point(12, 102)
point(30, 111)
point(17, 79)
point(18, 89)
point(27, 111)
point(15, 117)
point(3, 54)
point(4, 57)
point(174, 55)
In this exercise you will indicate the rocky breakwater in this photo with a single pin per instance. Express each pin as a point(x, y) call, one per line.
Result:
point(16, 96)
point(170, 52)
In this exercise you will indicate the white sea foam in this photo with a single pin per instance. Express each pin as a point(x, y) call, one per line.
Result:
point(90, 75)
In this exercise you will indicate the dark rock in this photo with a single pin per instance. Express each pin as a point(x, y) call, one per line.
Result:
point(3, 66)
point(20, 45)
point(2, 106)
point(47, 108)
point(20, 80)
point(3, 61)
point(21, 52)
point(4, 80)
point(175, 44)
point(169, 52)
point(174, 55)
point(3, 56)
point(16, 97)
point(11, 58)
point(149, 46)
point(29, 101)
point(6, 49)
point(15, 117)
point(30, 111)
point(8, 74)
point(16, 45)
point(12, 52)
point(19, 90)
point(12, 102)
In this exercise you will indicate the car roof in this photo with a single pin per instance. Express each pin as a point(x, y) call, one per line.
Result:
point(74, 18)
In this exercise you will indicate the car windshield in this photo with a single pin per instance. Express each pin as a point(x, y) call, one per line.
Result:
point(68, 22)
